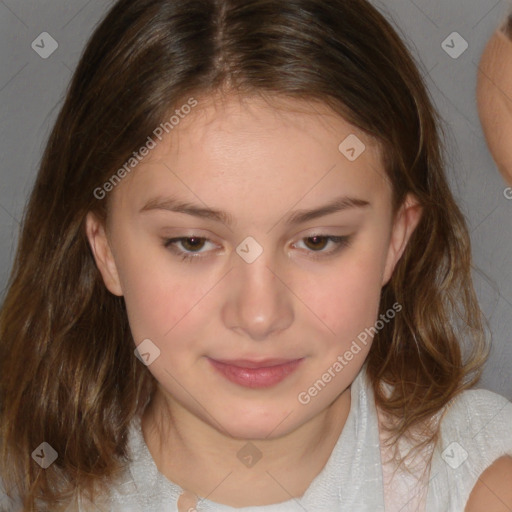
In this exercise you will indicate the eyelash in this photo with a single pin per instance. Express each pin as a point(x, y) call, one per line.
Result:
point(340, 241)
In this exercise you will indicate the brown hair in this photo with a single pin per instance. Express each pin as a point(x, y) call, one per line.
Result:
point(69, 375)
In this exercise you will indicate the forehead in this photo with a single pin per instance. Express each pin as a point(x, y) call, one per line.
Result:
point(267, 146)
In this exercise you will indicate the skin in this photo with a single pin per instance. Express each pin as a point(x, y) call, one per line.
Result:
point(494, 99)
point(493, 492)
point(259, 163)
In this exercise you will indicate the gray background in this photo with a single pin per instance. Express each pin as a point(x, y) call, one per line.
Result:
point(32, 90)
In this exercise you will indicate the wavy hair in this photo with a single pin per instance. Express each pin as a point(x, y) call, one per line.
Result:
point(69, 375)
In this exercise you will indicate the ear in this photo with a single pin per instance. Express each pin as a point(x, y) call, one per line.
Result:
point(405, 223)
point(98, 240)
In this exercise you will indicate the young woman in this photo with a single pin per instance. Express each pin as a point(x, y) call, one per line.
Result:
point(243, 282)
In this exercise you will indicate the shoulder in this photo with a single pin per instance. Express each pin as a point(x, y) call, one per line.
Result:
point(477, 401)
point(474, 448)
point(479, 416)
point(493, 490)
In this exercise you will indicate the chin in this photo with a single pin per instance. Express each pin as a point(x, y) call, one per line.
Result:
point(258, 429)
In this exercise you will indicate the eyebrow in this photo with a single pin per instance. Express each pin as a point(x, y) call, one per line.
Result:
point(172, 204)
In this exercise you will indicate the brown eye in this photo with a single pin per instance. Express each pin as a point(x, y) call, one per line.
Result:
point(193, 243)
point(188, 247)
point(318, 242)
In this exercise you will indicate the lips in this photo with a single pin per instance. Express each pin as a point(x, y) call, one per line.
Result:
point(256, 373)
point(250, 363)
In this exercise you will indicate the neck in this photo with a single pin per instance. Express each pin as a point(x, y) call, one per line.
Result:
point(208, 463)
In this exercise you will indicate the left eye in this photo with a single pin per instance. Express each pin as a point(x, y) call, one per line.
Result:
point(315, 244)
point(322, 240)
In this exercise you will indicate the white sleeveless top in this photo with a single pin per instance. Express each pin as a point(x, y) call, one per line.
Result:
point(475, 431)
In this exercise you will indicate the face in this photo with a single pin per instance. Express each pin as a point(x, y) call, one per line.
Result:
point(494, 95)
point(227, 263)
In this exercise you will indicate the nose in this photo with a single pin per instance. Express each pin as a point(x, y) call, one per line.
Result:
point(259, 303)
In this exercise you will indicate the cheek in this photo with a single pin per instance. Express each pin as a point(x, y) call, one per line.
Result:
point(158, 296)
point(346, 298)
point(154, 307)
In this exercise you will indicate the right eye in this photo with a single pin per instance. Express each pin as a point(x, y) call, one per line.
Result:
point(191, 245)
